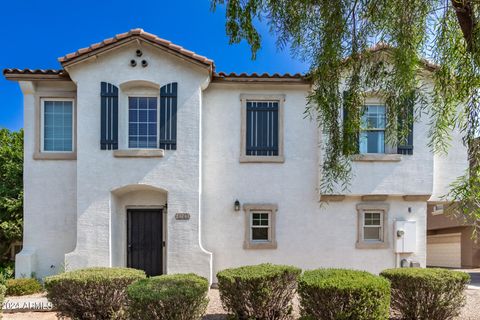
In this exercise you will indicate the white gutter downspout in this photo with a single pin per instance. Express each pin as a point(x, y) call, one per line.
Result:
point(210, 278)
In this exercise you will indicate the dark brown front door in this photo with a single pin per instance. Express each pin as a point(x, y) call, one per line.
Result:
point(145, 240)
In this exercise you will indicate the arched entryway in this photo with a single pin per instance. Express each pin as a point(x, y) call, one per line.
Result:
point(139, 228)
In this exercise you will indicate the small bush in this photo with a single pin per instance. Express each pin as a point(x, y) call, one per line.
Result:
point(2, 296)
point(332, 294)
point(264, 291)
point(23, 286)
point(6, 272)
point(427, 293)
point(94, 293)
point(172, 297)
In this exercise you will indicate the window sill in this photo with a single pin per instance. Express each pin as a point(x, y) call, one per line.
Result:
point(372, 157)
point(139, 153)
point(371, 245)
point(262, 159)
point(55, 156)
point(260, 245)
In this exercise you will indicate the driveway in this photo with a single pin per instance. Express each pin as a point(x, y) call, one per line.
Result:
point(475, 277)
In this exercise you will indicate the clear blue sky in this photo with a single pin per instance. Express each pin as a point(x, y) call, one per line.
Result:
point(34, 33)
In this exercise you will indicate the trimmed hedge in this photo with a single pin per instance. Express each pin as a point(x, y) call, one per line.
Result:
point(427, 293)
point(343, 294)
point(94, 293)
point(173, 297)
point(23, 286)
point(263, 291)
point(2, 296)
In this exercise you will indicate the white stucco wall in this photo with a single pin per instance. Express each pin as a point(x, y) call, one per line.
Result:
point(308, 235)
point(49, 197)
point(99, 173)
point(449, 166)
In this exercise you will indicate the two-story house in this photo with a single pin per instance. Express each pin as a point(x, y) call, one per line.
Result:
point(138, 154)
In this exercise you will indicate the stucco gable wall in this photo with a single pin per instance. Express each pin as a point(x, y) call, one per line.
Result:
point(98, 172)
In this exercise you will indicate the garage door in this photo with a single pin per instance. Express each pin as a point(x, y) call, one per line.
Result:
point(444, 250)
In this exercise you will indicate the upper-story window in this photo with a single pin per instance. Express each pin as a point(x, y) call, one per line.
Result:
point(372, 135)
point(57, 125)
point(262, 128)
point(142, 122)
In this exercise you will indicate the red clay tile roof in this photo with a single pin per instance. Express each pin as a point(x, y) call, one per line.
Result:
point(264, 77)
point(253, 77)
point(136, 33)
point(15, 73)
point(256, 75)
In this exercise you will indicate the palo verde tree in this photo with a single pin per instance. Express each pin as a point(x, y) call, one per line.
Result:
point(421, 54)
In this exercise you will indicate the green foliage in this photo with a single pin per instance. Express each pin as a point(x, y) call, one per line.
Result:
point(2, 297)
point(23, 286)
point(356, 48)
point(6, 272)
point(173, 297)
point(424, 294)
point(334, 294)
point(11, 188)
point(263, 291)
point(94, 293)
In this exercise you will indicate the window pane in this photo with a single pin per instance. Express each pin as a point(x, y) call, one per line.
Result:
point(142, 122)
point(372, 136)
point(372, 218)
point(57, 126)
point(371, 233)
point(372, 142)
point(260, 234)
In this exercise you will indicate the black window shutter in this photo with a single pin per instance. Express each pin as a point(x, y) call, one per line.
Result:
point(109, 116)
point(348, 138)
point(405, 146)
point(262, 128)
point(168, 117)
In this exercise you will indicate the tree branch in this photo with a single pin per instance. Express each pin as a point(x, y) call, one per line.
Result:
point(465, 17)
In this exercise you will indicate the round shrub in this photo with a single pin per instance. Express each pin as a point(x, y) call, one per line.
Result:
point(332, 294)
point(94, 293)
point(427, 293)
point(23, 286)
point(263, 291)
point(173, 297)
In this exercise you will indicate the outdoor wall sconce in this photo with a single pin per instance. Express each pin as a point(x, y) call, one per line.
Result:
point(237, 205)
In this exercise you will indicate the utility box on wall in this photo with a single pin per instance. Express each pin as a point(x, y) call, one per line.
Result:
point(405, 236)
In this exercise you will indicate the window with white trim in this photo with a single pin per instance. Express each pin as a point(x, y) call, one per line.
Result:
point(372, 225)
point(142, 122)
point(372, 134)
point(57, 127)
point(260, 226)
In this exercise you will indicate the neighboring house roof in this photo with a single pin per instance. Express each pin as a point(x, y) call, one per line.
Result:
point(129, 36)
